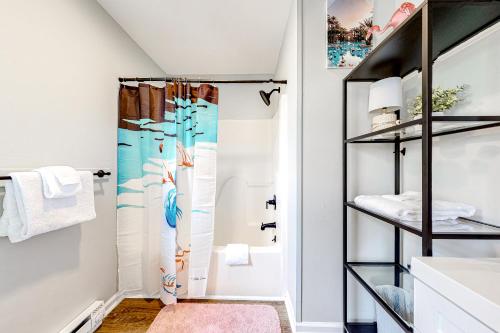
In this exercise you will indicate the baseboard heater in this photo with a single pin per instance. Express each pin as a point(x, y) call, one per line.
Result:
point(88, 321)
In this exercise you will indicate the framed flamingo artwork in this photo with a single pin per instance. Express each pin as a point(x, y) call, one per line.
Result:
point(348, 25)
point(350, 29)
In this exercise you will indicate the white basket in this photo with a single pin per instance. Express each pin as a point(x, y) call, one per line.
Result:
point(400, 300)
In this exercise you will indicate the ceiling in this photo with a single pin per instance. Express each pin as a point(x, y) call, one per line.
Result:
point(205, 37)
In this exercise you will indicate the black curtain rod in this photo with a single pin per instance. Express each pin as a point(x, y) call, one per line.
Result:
point(99, 173)
point(169, 79)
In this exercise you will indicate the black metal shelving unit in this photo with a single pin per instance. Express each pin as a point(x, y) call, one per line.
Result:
point(436, 27)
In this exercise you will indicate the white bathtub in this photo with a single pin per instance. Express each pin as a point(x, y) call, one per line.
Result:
point(260, 279)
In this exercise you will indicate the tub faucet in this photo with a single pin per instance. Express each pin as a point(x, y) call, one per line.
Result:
point(271, 202)
point(268, 225)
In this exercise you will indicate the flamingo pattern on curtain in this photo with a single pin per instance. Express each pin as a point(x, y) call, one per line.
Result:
point(167, 141)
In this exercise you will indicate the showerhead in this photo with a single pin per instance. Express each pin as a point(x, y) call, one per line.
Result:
point(266, 97)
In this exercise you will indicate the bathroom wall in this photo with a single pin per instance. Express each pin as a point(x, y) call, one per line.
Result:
point(322, 175)
point(60, 60)
point(288, 178)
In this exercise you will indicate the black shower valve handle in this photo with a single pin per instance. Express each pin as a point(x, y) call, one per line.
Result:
point(264, 226)
point(271, 202)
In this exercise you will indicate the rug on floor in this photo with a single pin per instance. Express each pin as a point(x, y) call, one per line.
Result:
point(216, 318)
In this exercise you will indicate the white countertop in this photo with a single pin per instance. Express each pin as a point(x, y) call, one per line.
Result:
point(471, 284)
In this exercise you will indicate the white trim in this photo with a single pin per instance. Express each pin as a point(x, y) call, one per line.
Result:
point(317, 327)
point(116, 299)
point(290, 312)
point(300, 162)
point(242, 298)
point(111, 303)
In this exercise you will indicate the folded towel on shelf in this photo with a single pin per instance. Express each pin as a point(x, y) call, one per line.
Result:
point(390, 208)
point(27, 212)
point(444, 226)
point(60, 181)
point(236, 254)
point(442, 210)
point(408, 207)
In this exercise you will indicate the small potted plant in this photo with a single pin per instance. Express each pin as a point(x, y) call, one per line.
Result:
point(442, 100)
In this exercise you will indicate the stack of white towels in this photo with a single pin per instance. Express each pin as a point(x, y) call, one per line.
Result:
point(44, 200)
point(408, 207)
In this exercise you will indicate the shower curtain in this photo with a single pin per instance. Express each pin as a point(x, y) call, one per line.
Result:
point(167, 141)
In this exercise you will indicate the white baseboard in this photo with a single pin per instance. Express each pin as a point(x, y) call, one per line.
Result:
point(111, 303)
point(290, 312)
point(242, 298)
point(319, 327)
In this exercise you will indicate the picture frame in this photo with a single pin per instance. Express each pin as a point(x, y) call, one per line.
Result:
point(348, 32)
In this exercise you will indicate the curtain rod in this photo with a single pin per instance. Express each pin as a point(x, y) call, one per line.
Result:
point(168, 79)
point(99, 173)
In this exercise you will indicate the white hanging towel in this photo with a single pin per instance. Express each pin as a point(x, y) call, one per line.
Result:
point(28, 213)
point(236, 254)
point(60, 181)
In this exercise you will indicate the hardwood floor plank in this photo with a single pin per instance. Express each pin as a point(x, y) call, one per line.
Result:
point(135, 315)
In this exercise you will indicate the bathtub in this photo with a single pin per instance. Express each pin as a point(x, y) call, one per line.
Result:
point(261, 279)
point(237, 220)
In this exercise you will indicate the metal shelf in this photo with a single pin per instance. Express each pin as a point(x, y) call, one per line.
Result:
point(471, 229)
point(436, 27)
point(360, 327)
point(373, 274)
point(401, 52)
point(441, 125)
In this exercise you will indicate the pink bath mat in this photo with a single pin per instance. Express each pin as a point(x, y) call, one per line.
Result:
point(216, 318)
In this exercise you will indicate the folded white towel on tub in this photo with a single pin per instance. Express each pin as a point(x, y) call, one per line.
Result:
point(236, 254)
point(60, 181)
point(28, 213)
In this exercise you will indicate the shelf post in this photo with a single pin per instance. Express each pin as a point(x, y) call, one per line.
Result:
point(344, 198)
point(427, 130)
point(397, 190)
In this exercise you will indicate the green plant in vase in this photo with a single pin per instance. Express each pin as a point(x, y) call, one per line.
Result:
point(442, 100)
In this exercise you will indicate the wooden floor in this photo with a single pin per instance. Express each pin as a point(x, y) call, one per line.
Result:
point(134, 315)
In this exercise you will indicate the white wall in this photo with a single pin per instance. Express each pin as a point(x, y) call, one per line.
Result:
point(288, 69)
point(60, 60)
point(322, 182)
point(243, 101)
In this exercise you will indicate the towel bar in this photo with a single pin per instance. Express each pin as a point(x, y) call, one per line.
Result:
point(99, 173)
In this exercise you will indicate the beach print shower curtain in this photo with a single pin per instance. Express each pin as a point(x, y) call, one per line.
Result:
point(167, 140)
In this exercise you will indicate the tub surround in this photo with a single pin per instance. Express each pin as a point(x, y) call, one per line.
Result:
point(470, 284)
